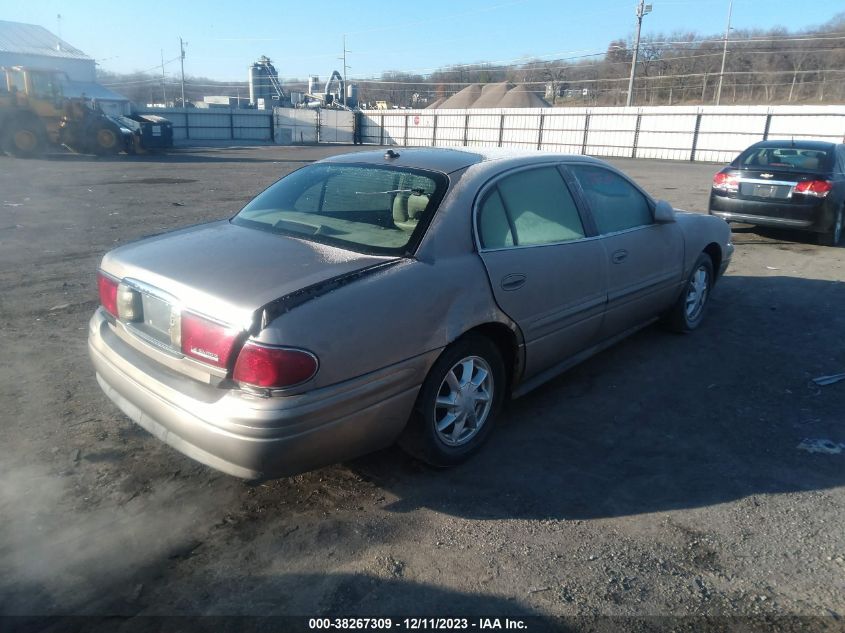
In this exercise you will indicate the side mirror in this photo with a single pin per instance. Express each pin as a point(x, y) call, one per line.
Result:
point(663, 212)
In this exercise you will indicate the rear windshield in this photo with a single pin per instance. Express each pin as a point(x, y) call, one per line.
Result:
point(371, 209)
point(786, 157)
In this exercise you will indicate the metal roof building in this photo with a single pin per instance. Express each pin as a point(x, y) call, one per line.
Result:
point(35, 47)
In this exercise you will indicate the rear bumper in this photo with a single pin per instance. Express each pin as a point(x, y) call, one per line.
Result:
point(248, 436)
point(812, 216)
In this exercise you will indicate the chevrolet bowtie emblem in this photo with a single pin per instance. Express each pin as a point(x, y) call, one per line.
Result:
point(767, 175)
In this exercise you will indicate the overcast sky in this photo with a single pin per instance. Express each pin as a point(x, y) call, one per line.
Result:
point(306, 37)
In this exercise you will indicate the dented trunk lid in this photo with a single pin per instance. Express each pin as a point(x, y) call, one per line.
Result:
point(229, 272)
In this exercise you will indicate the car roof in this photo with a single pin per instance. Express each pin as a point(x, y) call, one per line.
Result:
point(797, 144)
point(448, 159)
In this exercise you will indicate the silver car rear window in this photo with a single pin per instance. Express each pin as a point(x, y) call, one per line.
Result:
point(372, 209)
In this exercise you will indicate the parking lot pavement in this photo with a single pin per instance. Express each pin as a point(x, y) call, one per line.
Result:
point(663, 476)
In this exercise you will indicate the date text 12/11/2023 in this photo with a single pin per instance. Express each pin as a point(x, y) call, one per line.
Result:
point(415, 624)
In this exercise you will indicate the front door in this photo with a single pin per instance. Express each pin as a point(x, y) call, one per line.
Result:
point(644, 258)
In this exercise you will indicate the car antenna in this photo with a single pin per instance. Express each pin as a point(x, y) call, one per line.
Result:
point(391, 154)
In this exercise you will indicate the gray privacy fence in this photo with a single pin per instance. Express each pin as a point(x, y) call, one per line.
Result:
point(695, 133)
point(217, 124)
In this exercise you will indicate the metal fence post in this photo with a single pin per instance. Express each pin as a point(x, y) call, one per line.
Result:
point(466, 129)
point(540, 131)
point(187, 124)
point(405, 142)
point(381, 135)
point(501, 128)
point(695, 137)
point(434, 133)
point(586, 133)
point(231, 125)
point(636, 135)
point(767, 126)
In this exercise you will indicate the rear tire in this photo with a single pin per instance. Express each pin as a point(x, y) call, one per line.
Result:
point(835, 235)
point(457, 404)
point(688, 311)
point(24, 138)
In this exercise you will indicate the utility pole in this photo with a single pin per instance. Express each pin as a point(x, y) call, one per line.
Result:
point(163, 89)
point(642, 9)
point(724, 53)
point(343, 97)
point(182, 46)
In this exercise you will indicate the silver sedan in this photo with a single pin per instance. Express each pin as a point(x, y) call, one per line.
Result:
point(379, 297)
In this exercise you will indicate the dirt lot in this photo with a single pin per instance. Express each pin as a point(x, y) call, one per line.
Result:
point(663, 477)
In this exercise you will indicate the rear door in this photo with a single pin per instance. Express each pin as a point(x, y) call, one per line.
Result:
point(547, 272)
point(644, 259)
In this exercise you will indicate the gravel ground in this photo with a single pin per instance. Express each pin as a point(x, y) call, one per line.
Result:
point(662, 477)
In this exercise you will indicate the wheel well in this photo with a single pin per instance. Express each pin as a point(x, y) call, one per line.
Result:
point(504, 339)
point(715, 253)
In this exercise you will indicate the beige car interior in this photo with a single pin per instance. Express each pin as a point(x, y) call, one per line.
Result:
point(408, 209)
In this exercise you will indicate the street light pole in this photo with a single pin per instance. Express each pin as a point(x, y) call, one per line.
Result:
point(642, 9)
point(724, 53)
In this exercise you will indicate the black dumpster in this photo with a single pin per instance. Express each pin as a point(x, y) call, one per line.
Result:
point(149, 132)
point(156, 132)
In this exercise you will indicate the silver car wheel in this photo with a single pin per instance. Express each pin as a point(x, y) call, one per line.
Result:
point(699, 286)
point(464, 401)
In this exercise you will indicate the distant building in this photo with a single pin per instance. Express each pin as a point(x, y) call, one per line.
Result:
point(223, 101)
point(36, 47)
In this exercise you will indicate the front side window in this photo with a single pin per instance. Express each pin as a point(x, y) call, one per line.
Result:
point(366, 208)
point(616, 204)
point(529, 208)
point(43, 85)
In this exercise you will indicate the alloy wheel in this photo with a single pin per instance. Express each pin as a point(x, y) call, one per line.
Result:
point(699, 286)
point(464, 401)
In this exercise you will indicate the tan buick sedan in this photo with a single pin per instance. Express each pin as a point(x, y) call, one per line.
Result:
point(378, 297)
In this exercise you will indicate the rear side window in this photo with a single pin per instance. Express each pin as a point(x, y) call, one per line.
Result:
point(528, 208)
point(494, 226)
point(616, 204)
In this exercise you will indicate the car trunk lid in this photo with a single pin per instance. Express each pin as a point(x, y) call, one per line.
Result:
point(773, 185)
point(220, 272)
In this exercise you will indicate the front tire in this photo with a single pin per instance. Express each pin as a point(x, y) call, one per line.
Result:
point(104, 139)
point(835, 235)
point(457, 404)
point(688, 311)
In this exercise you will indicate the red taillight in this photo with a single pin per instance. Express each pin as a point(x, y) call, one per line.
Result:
point(726, 182)
point(817, 188)
point(273, 367)
point(206, 340)
point(107, 286)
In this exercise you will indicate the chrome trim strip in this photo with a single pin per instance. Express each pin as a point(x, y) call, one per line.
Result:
point(757, 181)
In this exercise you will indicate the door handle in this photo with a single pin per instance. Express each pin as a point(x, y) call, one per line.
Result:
point(513, 281)
point(619, 256)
